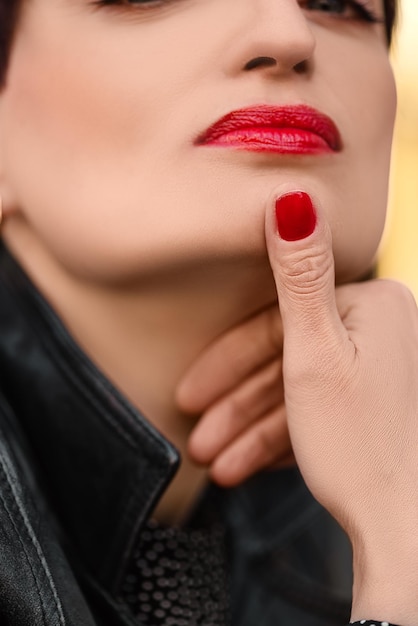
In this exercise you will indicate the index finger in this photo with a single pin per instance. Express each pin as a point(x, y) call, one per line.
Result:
point(233, 357)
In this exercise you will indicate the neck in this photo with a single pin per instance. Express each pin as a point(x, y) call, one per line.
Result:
point(144, 336)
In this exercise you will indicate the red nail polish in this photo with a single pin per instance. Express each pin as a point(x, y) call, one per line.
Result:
point(295, 216)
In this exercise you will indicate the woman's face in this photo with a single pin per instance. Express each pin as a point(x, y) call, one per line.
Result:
point(104, 102)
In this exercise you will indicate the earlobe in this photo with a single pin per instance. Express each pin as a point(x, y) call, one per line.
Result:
point(7, 203)
point(7, 195)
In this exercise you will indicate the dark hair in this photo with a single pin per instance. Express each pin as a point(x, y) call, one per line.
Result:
point(391, 13)
point(9, 13)
point(8, 18)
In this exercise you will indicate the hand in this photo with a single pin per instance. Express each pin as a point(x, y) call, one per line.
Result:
point(236, 385)
point(350, 372)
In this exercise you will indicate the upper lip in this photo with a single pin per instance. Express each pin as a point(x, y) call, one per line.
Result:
point(299, 116)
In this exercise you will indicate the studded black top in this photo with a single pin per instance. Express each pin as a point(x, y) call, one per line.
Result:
point(178, 577)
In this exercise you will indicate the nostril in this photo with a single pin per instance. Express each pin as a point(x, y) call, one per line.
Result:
point(301, 68)
point(260, 62)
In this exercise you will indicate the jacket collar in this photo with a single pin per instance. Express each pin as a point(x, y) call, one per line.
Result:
point(102, 464)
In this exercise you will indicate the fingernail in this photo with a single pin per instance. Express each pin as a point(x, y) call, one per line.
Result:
point(295, 216)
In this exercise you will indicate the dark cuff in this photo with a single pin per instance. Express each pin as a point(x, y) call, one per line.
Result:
point(371, 622)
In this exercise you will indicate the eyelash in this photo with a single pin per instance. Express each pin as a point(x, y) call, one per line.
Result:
point(127, 3)
point(130, 5)
point(361, 7)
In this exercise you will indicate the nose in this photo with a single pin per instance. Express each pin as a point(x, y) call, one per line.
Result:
point(275, 38)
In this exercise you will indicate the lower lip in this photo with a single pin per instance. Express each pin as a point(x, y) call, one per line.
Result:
point(273, 140)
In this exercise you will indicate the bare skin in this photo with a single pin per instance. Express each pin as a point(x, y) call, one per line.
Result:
point(139, 236)
point(235, 389)
point(151, 248)
point(350, 366)
point(348, 371)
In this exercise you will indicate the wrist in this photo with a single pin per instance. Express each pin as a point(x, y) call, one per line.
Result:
point(386, 579)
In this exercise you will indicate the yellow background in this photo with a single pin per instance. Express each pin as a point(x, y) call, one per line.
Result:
point(399, 252)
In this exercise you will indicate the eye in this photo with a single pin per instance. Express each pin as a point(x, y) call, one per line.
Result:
point(349, 9)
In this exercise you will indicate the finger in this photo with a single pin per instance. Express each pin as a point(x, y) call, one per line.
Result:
point(299, 245)
point(230, 360)
point(258, 448)
point(232, 415)
point(287, 460)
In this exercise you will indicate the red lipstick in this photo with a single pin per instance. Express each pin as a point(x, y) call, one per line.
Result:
point(292, 129)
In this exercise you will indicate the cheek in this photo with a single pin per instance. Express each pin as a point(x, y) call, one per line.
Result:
point(66, 111)
point(77, 138)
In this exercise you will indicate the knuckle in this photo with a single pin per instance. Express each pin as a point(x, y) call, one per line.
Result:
point(307, 271)
point(322, 369)
point(266, 445)
point(236, 356)
point(274, 329)
point(236, 407)
point(404, 294)
point(395, 291)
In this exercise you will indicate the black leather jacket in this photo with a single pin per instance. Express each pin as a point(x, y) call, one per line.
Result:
point(80, 472)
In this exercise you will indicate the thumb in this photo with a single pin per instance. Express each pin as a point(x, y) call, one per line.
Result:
point(299, 245)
